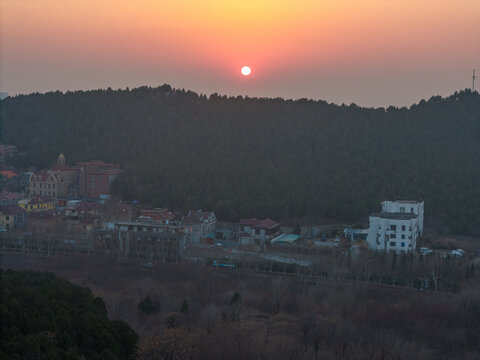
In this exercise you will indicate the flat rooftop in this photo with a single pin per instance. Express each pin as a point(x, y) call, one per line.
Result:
point(395, 215)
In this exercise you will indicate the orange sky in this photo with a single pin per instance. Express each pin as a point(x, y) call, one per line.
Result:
point(371, 52)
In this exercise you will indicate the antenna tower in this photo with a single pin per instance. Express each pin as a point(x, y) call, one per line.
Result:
point(473, 80)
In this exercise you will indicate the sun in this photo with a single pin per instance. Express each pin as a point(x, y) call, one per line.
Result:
point(246, 70)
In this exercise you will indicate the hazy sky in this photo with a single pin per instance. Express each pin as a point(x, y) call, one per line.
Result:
point(371, 52)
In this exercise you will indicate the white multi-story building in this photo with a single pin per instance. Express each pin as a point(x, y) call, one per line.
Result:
point(397, 227)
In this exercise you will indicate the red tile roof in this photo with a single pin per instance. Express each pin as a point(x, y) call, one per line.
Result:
point(8, 174)
point(5, 195)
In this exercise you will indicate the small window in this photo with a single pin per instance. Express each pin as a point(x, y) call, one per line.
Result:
point(393, 243)
point(403, 227)
point(403, 244)
point(403, 236)
point(402, 209)
point(411, 210)
point(393, 236)
point(393, 227)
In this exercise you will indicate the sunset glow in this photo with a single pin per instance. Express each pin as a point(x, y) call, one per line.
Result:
point(246, 71)
point(333, 50)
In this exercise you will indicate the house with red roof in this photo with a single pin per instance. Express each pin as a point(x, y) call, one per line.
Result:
point(257, 232)
point(9, 198)
point(83, 208)
point(159, 215)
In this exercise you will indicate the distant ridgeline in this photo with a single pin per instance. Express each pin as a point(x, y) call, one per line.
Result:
point(45, 317)
point(250, 157)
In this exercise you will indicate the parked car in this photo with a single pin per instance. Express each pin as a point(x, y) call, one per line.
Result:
point(458, 252)
point(3, 230)
point(425, 251)
point(216, 246)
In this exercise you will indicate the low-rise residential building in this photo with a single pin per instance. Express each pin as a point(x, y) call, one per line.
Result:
point(159, 215)
point(397, 227)
point(38, 203)
point(144, 236)
point(355, 234)
point(257, 232)
point(198, 225)
point(8, 198)
point(82, 208)
point(12, 217)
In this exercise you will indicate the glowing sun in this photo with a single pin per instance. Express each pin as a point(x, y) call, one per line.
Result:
point(246, 71)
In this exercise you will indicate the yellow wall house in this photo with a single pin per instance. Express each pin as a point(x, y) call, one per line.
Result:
point(38, 203)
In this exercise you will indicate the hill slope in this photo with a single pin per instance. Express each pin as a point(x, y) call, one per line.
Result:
point(264, 157)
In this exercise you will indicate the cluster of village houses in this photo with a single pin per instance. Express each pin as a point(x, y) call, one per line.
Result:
point(73, 201)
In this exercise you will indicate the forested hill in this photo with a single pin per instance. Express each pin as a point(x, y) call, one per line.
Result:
point(250, 157)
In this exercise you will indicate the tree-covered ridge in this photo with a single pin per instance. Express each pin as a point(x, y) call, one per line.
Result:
point(45, 317)
point(246, 157)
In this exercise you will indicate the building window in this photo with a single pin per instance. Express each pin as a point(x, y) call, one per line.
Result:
point(393, 236)
point(403, 227)
point(402, 209)
point(257, 232)
point(393, 227)
point(49, 186)
point(411, 210)
point(403, 236)
point(403, 244)
point(393, 243)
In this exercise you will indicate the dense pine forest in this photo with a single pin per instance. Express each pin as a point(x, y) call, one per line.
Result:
point(243, 157)
point(45, 317)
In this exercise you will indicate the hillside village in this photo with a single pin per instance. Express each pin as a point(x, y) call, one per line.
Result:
point(72, 204)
